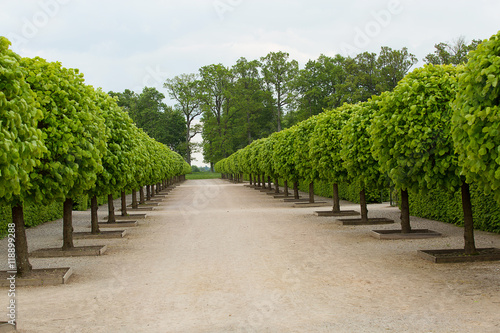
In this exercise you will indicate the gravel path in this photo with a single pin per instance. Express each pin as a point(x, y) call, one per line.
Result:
point(221, 257)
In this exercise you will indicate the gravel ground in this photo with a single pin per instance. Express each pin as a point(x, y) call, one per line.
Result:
point(221, 257)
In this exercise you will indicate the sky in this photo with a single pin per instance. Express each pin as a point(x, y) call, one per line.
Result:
point(128, 44)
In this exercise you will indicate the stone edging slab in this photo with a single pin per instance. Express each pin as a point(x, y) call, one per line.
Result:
point(5, 327)
point(397, 234)
point(371, 221)
point(295, 200)
point(308, 204)
point(341, 213)
point(128, 217)
point(77, 251)
point(39, 277)
point(138, 209)
point(101, 235)
point(458, 255)
point(118, 224)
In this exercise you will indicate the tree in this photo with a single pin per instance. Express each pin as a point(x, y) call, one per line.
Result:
point(266, 163)
point(249, 100)
point(149, 106)
point(219, 115)
point(255, 165)
point(454, 53)
point(185, 90)
point(301, 134)
point(365, 77)
point(476, 119)
point(283, 160)
point(393, 65)
point(279, 74)
point(159, 121)
point(127, 100)
point(120, 158)
point(325, 146)
point(22, 146)
point(321, 85)
point(412, 138)
point(356, 154)
point(73, 130)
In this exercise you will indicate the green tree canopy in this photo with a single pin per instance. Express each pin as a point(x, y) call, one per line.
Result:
point(21, 141)
point(73, 130)
point(476, 120)
point(412, 131)
point(279, 73)
point(454, 53)
point(326, 143)
point(356, 155)
point(185, 89)
point(302, 134)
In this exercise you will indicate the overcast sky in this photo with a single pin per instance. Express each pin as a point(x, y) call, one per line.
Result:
point(127, 44)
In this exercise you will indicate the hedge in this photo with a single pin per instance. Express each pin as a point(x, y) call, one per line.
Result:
point(33, 215)
point(447, 207)
point(38, 214)
point(436, 205)
point(348, 192)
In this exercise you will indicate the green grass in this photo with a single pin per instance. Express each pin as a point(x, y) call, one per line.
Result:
point(203, 175)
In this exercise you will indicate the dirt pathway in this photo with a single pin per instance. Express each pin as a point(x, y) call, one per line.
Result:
point(220, 257)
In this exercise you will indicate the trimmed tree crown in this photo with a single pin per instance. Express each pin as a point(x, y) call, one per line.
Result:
point(476, 120)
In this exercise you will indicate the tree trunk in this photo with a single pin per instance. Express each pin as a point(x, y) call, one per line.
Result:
point(21, 243)
point(364, 208)
point(311, 192)
point(405, 213)
point(124, 203)
point(152, 191)
point(296, 190)
point(158, 188)
point(251, 179)
point(279, 111)
point(148, 192)
point(285, 190)
point(134, 199)
point(249, 132)
point(258, 180)
point(111, 209)
point(470, 245)
point(269, 185)
point(276, 186)
point(141, 195)
point(263, 182)
point(68, 224)
point(94, 219)
point(336, 198)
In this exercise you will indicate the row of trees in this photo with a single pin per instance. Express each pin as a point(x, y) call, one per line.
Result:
point(62, 139)
point(439, 128)
point(254, 98)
